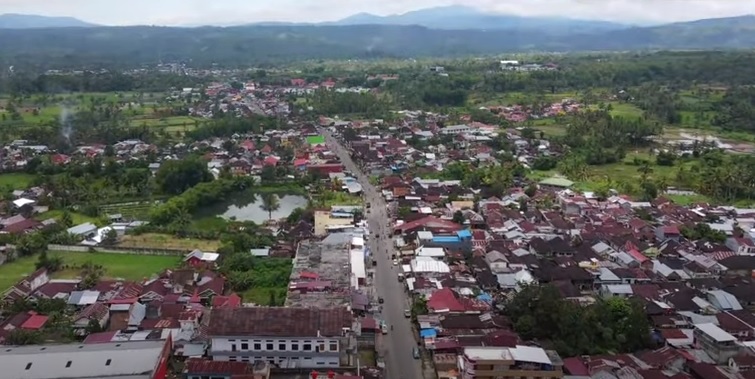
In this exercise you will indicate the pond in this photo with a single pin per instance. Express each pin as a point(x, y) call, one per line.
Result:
point(247, 206)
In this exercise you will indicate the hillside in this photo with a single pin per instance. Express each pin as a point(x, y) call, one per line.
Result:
point(23, 21)
point(274, 43)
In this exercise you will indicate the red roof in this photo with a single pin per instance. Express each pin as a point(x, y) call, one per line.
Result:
point(671, 229)
point(445, 299)
point(103, 337)
point(639, 257)
point(198, 366)
point(574, 366)
point(231, 301)
point(301, 162)
point(271, 160)
point(429, 222)
point(34, 322)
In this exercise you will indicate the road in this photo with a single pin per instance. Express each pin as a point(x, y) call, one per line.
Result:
point(399, 342)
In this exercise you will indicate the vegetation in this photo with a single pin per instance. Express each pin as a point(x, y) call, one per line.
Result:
point(270, 203)
point(126, 266)
point(611, 325)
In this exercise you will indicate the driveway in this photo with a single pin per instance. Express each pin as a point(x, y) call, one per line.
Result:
point(398, 344)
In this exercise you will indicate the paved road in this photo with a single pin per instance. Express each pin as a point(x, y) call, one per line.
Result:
point(399, 362)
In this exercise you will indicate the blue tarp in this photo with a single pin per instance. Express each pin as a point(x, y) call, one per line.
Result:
point(485, 297)
point(446, 239)
point(428, 333)
point(464, 234)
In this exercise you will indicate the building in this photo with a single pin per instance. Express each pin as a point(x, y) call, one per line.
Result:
point(510, 362)
point(325, 220)
point(716, 342)
point(122, 360)
point(198, 368)
point(286, 337)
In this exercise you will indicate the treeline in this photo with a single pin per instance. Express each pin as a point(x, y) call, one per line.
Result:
point(346, 103)
point(227, 125)
point(87, 81)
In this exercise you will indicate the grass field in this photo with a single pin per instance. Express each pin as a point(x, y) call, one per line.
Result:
point(261, 295)
point(16, 180)
point(171, 124)
point(126, 266)
point(77, 218)
point(164, 241)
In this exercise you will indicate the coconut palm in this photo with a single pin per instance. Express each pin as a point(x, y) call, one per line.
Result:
point(270, 203)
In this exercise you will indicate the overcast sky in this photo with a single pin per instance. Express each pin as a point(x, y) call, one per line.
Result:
point(225, 12)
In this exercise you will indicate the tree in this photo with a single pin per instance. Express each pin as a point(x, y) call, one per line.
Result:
point(52, 264)
point(531, 190)
point(30, 244)
point(66, 219)
point(20, 337)
point(270, 204)
point(110, 238)
point(176, 176)
point(458, 218)
point(90, 274)
point(272, 301)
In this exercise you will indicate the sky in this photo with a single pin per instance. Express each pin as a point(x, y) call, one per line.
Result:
point(230, 12)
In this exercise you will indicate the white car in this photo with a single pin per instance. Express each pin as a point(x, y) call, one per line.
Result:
point(395, 262)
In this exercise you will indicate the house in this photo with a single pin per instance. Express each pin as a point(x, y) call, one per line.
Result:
point(287, 337)
point(27, 285)
point(716, 342)
point(200, 258)
point(85, 230)
point(510, 362)
point(123, 360)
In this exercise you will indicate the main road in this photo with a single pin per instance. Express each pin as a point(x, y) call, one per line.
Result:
point(400, 340)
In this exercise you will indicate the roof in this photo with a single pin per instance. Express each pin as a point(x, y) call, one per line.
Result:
point(83, 297)
point(84, 228)
point(204, 367)
point(278, 321)
point(530, 354)
point(202, 256)
point(34, 322)
point(715, 332)
point(557, 182)
point(122, 360)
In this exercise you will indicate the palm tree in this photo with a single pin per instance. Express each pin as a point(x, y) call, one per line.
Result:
point(270, 203)
point(91, 274)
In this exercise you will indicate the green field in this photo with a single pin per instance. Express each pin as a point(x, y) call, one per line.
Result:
point(261, 295)
point(16, 180)
point(126, 266)
point(171, 124)
point(165, 241)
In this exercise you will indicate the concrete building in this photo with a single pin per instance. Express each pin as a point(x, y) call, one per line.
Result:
point(122, 360)
point(321, 276)
point(510, 362)
point(716, 342)
point(325, 220)
point(286, 337)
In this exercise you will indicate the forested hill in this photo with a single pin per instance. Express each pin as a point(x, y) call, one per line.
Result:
point(258, 44)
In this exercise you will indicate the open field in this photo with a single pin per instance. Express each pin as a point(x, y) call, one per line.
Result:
point(16, 180)
point(126, 266)
point(164, 241)
point(171, 124)
point(261, 295)
point(138, 210)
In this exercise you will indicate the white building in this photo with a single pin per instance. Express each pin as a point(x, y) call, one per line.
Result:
point(287, 337)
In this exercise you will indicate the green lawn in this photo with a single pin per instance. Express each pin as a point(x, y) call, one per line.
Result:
point(625, 110)
point(173, 124)
point(261, 295)
point(126, 266)
point(16, 180)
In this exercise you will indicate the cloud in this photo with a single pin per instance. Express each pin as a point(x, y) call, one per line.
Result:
point(181, 12)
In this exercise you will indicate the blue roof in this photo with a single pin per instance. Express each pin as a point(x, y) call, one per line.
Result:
point(485, 297)
point(464, 233)
point(442, 239)
point(428, 333)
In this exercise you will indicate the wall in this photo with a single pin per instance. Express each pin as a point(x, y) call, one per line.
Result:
point(117, 250)
point(282, 352)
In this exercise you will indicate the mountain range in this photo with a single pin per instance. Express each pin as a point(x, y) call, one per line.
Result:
point(356, 37)
point(26, 21)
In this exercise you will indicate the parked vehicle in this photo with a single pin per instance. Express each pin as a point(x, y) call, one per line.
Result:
point(407, 313)
point(415, 353)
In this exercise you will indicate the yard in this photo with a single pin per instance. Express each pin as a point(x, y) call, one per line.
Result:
point(165, 241)
point(126, 266)
point(16, 180)
point(261, 295)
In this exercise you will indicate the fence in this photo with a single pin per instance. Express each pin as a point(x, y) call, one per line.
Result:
point(117, 250)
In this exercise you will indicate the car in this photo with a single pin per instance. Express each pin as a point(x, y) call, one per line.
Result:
point(407, 313)
point(395, 262)
point(381, 300)
point(415, 353)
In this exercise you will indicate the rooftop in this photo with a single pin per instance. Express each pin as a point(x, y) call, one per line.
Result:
point(328, 262)
point(127, 360)
point(279, 321)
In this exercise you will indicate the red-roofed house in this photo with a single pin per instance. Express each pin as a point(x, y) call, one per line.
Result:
point(198, 367)
point(59, 159)
point(447, 301)
point(271, 160)
point(35, 321)
point(429, 222)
